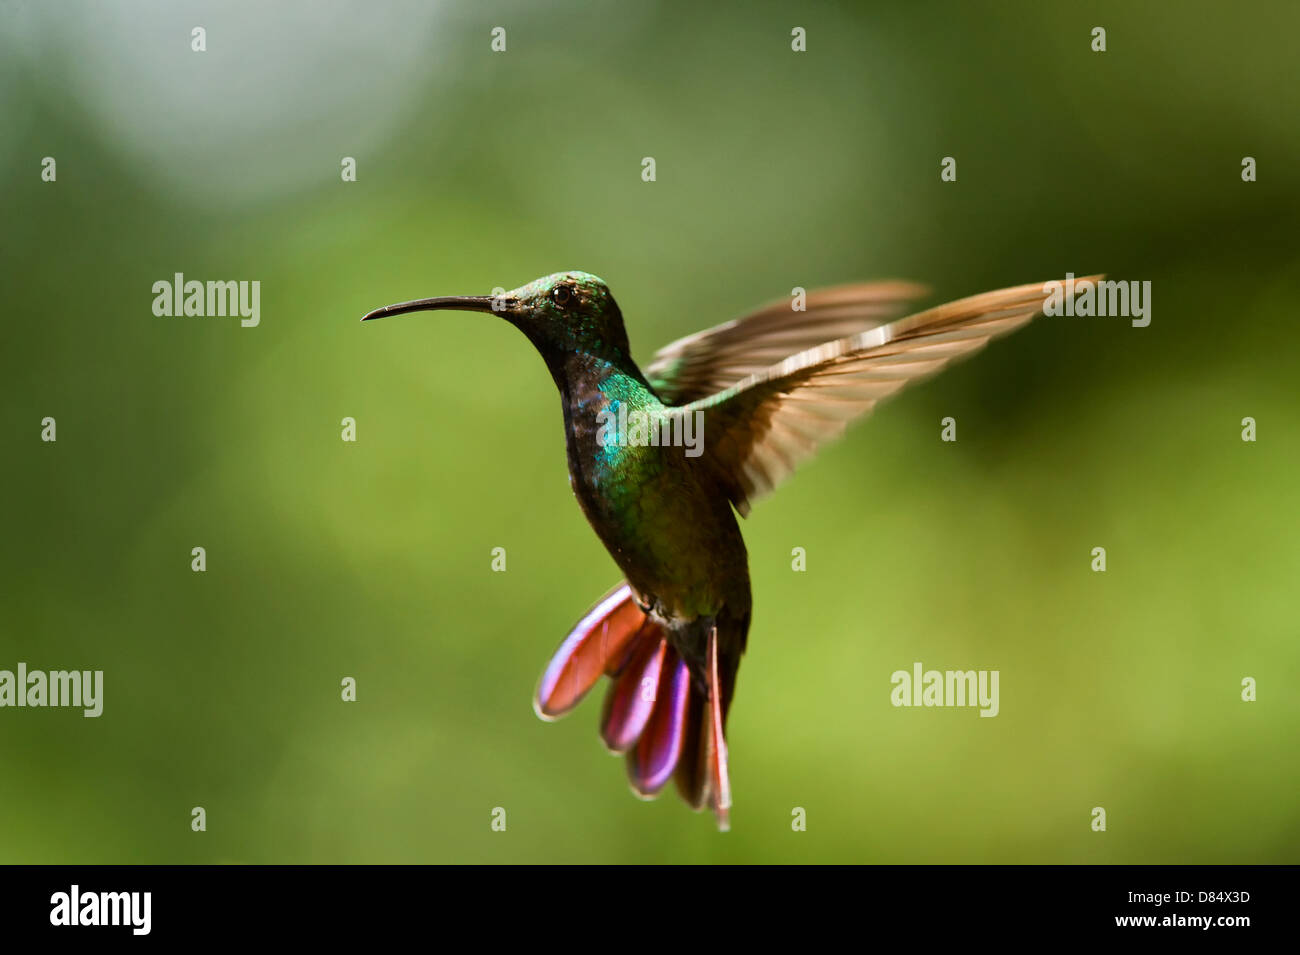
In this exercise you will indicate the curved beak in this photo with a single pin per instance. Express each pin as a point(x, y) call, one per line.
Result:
point(459, 303)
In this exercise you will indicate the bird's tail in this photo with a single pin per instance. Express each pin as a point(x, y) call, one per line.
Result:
point(664, 722)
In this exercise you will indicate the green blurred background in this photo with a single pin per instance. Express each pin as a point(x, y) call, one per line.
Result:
point(775, 169)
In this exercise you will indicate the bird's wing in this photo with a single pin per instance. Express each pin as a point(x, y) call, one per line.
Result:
point(709, 361)
point(757, 431)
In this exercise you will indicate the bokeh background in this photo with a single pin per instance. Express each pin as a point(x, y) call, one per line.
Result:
point(775, 169)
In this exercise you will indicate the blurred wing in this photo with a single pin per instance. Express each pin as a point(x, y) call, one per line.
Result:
point(709, 361)
point(757, 431)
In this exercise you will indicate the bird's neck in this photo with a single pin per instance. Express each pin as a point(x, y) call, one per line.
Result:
point(590, 383)
point(593, 390)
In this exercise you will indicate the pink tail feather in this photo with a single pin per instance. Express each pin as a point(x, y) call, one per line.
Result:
point(653, 711)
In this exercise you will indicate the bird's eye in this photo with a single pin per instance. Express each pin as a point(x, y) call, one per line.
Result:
point(562, 295)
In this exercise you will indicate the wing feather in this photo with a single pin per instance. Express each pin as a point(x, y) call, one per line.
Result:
point(709, 361)
point(759, 429)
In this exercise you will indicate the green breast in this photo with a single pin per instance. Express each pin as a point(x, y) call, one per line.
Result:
point(677, 542)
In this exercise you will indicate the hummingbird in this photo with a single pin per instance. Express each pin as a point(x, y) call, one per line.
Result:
point(761, 394)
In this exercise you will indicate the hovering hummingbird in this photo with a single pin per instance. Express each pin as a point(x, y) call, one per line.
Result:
point(766, 391)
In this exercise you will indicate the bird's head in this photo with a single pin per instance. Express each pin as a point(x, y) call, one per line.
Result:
point(562, 314)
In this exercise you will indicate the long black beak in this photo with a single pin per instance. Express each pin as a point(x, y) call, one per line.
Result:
point(460, 303)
